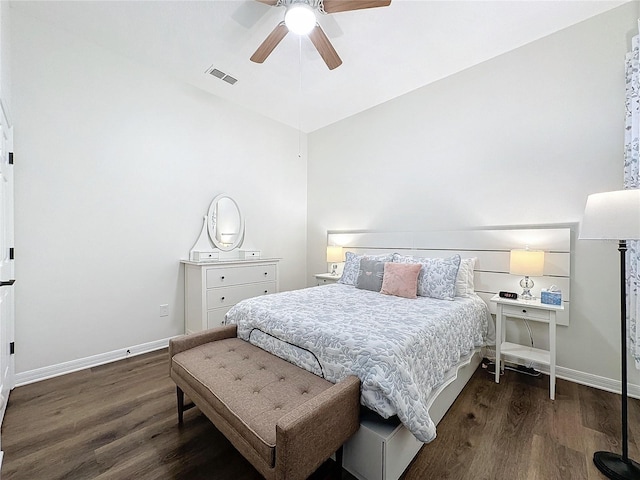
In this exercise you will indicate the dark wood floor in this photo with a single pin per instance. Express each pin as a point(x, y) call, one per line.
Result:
point(118, 421)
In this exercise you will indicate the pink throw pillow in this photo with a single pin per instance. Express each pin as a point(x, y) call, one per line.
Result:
point(401, 279)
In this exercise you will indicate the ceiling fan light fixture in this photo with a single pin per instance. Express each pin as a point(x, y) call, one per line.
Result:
point(300, 18)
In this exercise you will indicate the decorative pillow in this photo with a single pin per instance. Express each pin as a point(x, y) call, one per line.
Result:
point(437, 277)
point(401, 279)
point(370, 275)
point(464, 280)
point(352, 266)
point(397, 258)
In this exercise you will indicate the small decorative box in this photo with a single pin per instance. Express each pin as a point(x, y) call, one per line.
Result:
point(247, 254)
point(551, 297)
point(204, 256)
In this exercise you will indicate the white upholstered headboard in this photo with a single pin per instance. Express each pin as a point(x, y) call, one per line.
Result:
point(490, 246)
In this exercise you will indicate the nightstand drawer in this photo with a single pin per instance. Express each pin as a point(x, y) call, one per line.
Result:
point(523, 311)
point(326, 278)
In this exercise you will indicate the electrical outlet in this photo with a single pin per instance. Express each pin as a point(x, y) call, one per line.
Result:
point(164, 310)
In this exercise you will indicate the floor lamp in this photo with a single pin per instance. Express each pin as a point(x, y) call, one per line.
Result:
point(616, 216)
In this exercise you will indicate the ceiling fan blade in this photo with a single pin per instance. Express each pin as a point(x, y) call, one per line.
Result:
point(271, 42)
point(324, 47)
point(273, 3)
point(334, 6)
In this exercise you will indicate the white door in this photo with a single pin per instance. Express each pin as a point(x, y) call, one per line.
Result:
point(6, 264)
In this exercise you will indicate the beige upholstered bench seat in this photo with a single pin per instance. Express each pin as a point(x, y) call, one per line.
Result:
point(284, 420)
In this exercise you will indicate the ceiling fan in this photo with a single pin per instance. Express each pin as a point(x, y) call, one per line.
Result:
point(300, 18)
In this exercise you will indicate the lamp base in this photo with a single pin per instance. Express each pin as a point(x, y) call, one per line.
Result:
point(613, 466)
point(527, 284)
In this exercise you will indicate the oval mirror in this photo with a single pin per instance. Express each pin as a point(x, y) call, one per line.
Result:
point(225, 223)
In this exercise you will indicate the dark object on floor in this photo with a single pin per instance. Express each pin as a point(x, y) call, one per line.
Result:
point(491, 368)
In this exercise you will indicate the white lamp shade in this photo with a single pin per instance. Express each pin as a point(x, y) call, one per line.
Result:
point(334, 254)
point(612, 216)
point(529, 263)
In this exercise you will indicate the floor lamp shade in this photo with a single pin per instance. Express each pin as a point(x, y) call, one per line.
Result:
point(612, 216)
point(616, 216)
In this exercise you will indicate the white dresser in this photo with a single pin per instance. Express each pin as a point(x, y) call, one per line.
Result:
point(211, 289)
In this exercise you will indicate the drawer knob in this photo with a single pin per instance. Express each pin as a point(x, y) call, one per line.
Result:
point(222, 299)
point(266, 273)
point(524, 310)
point(222, 277)
point(266, 291)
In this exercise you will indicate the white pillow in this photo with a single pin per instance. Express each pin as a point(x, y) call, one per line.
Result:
point(437, 277)
point(464, 280)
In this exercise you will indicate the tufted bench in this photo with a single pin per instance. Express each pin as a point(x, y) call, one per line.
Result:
point(284, 420)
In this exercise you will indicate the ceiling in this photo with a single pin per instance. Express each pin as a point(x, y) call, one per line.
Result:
point(386, 52)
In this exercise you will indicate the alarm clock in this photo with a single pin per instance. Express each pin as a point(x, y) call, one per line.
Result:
point(509, 295)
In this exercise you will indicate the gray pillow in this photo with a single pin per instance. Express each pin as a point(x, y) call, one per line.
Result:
point(352, 266)
point(370, 275)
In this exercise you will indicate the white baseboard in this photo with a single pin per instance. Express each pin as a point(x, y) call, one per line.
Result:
point(576, 376)
point(24, 378)
point(38, 374)
point(595, 381)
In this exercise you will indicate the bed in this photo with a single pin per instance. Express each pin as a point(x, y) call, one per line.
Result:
point(413, 356)
point(400, 348)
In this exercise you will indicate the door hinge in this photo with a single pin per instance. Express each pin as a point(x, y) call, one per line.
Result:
point(11, 253)
point(12, 348)
point(10, 158)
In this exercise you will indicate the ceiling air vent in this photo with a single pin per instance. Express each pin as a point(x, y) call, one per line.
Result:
point(221, 75)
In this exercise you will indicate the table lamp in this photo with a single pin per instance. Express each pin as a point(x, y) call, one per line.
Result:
point(334, 256)
point(529, 263)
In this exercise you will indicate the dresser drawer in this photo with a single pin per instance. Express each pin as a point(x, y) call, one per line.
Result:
point(215, 317)
point(221, 277)
point(229, 296)
point(526, 312)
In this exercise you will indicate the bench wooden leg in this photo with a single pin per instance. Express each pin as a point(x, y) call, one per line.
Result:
point(181, 406)
point(180, 394)
point(339, 454)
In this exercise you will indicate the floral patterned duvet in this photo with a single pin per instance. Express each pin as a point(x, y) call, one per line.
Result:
point(400, 348)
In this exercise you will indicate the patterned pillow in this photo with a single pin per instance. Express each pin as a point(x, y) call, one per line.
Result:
point(370, 275)
point(437, 277)
point(464, 280)
point(401, 279)
point(352, 266)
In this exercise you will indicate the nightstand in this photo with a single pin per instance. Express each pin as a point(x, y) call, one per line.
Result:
point(326, 278)
point(535, 311)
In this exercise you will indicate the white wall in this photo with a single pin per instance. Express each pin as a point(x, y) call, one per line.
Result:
point(5, 55)
point(115, 166)
point(520, 139)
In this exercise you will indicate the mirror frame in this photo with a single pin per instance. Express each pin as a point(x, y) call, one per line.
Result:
point(211, 225)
